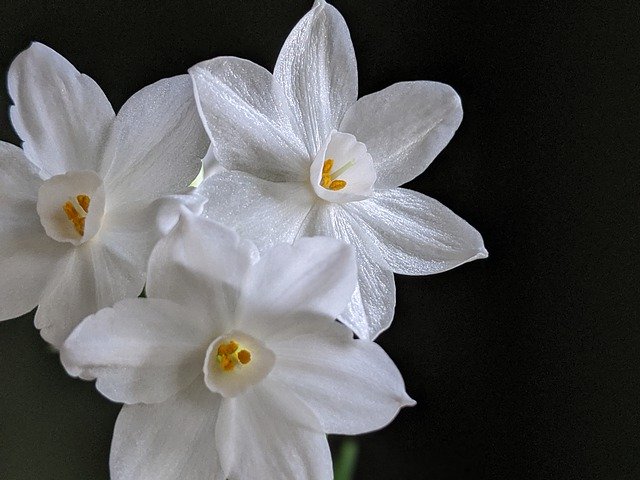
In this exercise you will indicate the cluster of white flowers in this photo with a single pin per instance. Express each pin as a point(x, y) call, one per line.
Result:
point(233, 366)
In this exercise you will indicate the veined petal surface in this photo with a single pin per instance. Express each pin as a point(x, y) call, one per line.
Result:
point(405, 126)
point(171, 440)
point(267, 433)
point(248, 120)
point(265, 212)
point(317, 70)
point(417, 234)
point(371, 308)
point(352, 386)
point(61, 115)
point(156, 143)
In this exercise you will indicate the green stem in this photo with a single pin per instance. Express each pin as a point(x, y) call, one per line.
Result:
point(345, 465)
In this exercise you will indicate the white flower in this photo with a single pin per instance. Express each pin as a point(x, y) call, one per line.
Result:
point(234, 367)
point(77, 210)
point(306, 158)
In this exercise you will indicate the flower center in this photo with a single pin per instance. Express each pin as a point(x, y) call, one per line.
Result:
point(76, 210)
point(231, 355)
point(329, 179)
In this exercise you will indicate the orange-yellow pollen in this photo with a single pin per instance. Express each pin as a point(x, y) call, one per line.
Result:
point(328, 179)
point(229, 357)
point(76, 210)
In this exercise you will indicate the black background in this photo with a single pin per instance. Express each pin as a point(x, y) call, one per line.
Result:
point(524, 365)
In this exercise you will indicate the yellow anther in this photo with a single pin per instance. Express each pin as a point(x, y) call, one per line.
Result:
point(337, 185)
point(76, 210)
point(328, 179)
point(229, 357)
point(244, 356)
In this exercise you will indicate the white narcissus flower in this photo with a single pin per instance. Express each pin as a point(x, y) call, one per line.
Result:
point(306, 157)
point(78, 203)
point(233, 366)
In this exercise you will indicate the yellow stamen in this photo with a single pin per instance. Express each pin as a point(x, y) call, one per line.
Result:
point(244, 356)
point(337, 185)
point(329, 179)
point(76, 210)
point(229, 357)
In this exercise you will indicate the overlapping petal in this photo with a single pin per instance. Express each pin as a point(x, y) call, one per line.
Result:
point(170, 440)
point(84, 280)
point(202, 265)
point(61, 115)
point(140, 350)
point(248, 120)
point(268, 433)
point(27, 255)
point(314, 276)
point(371, 308)
point(322, 359)
point(265, 212)
point(404, 126)
point(156, 143)
point(417, 234)
point(317, 70)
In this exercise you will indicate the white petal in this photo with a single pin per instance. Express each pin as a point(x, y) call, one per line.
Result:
point(171, 207)
point(265, 212)
point(317, 68)
point(201, 264)
point(313, 276)
point(248, 120)
point(168, 441)
point(323, 359)
point(417, 234)
point(61, 115)
point(371, 308)
point(156, 143)
point(267, 433)
point(210, 163)
point(88, 278)
point(27, 254)
point(142, 350)
point(405, 126)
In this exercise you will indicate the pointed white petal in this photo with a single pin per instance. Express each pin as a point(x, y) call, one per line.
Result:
point(417, 234)
point(317, 69)
point(265, 212)
point(371, 308)
point(141, 350)
point(171, 440)
point(323, 359)
point(248, 121)
point(156, 143)
point(90, 277)
point(61, 115)
point(405, 126)
point(313, 276)
point(201, 264)
point(267, 433)
point(27, 254)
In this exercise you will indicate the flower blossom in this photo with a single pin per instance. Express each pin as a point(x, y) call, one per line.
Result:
point(306, 157)
point(78, 202)
point(233, 366)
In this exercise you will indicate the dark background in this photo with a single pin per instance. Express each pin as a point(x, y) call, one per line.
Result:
point(524, 365)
